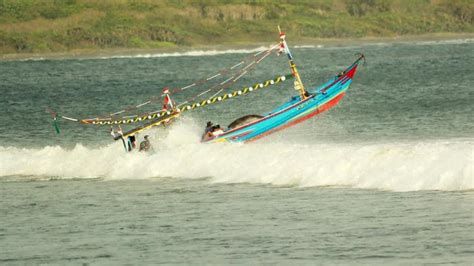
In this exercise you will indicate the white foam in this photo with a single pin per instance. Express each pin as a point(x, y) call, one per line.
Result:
point(155, 55)
point(347, 46)
point(33, 59)
point(191, 53)
point(431, 165)
point(258, 49)
point(443, 42)
point(306, 46)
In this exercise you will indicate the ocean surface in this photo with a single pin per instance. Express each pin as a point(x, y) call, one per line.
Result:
point(384, 177)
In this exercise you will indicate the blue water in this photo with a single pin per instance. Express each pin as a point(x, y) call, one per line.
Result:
point(384, 177)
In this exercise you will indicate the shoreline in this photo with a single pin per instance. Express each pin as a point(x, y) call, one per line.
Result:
point(118, 52)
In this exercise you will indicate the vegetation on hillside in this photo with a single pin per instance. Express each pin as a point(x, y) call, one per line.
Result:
point(64, 25)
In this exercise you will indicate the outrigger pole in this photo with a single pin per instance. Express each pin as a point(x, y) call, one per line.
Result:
point(298, 83)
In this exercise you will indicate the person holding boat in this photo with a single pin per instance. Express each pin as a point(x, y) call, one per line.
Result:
point(145, 145)
point(116, 133)
point(131, 143)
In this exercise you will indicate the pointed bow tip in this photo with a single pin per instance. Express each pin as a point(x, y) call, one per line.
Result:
point(352, 72)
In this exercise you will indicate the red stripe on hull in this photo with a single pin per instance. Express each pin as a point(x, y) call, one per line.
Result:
point(319, 110)
point(352, 72)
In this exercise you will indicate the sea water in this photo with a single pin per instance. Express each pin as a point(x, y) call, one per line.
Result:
point(384, 177)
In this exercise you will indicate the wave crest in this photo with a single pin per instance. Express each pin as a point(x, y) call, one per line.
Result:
point(434, 165)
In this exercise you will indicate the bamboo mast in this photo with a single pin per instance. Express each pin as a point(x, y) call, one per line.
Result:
point(298, 83)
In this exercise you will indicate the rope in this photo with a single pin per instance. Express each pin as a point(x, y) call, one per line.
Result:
point(254, 59)
point(212, 100)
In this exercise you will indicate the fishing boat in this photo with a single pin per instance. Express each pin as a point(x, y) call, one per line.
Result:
point(300, 108)
point(307, 104)
point(295, 111)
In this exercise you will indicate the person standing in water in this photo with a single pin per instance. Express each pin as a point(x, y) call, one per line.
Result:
point(145, 145)
point(118, 134)
point(132, 142)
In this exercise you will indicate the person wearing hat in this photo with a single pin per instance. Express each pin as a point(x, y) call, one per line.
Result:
point(145, 145)
point(209, 129)
point(209, 125)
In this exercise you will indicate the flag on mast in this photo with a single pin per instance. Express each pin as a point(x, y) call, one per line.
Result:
point(167, 103)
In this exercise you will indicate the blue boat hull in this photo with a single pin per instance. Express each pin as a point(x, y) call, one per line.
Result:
point(294, 111)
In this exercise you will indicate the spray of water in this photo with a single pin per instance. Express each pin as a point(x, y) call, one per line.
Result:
point(433, 165)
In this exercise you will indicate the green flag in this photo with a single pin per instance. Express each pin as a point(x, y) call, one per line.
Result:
point(55, 124)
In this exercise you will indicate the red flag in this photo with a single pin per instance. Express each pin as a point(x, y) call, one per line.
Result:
point(167, 103)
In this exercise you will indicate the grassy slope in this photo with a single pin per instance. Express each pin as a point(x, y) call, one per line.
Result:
point(62, 25)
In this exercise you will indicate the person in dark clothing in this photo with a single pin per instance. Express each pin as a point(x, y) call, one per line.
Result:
point(209, 128)
point(212, 131)
point(131, 141)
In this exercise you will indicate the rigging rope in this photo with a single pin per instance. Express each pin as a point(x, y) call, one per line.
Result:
point(251, 60)
point(212, 100)
point(224, 85)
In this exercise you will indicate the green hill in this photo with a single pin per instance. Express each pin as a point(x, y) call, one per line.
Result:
point(28, 26)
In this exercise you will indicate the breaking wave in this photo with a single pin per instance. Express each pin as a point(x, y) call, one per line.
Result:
point(443, 42)
point(302, 46)
point(153, 55)
point(345, 45)
point(306, 46)
point(434, 165)
point(191, 53)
